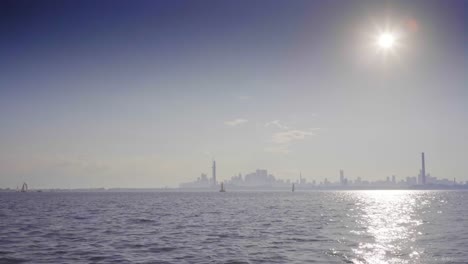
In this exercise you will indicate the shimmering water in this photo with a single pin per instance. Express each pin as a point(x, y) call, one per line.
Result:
point(235, 227)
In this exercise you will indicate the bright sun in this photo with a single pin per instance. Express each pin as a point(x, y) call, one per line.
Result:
point(386, 40)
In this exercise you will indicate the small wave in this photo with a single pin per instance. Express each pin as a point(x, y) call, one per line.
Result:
point(236, 262)
point(80, 217)
point(306, 240)
point(34, 233)
point(10, 260)
point(142, 220)
point(97, 258)
point(161, 249)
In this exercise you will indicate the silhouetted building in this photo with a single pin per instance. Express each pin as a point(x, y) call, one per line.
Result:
point(201, 182)
point(214, 173)
point(302, 180)
point(259, 178)
point(423, 169)
point(411, 181)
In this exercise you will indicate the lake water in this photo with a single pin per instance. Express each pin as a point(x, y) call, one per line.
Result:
point(235, 227)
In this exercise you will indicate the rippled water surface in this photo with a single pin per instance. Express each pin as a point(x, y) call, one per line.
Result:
point(235, 227)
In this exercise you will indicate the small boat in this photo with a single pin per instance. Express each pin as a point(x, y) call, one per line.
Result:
point(222, 188)
point(292, 188)
point(24, 188)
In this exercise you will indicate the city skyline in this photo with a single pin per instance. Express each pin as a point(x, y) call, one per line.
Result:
point(260, 178)
point(147, 94)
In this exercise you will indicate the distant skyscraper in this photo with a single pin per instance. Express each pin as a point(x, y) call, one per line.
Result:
point(342, 181)
point(423, 169)
point(214, 172)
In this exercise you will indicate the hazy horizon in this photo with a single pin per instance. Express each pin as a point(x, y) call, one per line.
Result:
point(148, 93)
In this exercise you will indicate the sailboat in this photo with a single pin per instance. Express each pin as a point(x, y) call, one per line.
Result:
point(24, 188)
point(222, 188)
point(292, 187)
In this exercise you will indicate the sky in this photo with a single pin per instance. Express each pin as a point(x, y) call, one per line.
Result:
point(148, 93)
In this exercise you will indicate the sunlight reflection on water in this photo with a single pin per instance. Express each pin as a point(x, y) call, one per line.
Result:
point(390, 218)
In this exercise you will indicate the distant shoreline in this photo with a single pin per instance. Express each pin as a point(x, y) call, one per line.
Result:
point(254, 189)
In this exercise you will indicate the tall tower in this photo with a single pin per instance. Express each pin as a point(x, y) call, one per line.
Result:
point(341, 177)
point(423, 169)
point(214, 172)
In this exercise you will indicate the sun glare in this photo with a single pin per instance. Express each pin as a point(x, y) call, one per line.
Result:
point(386, 40)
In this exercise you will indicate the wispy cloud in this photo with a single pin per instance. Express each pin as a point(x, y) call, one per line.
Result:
point(236, 122)
point(276, 123)
point(287, 137)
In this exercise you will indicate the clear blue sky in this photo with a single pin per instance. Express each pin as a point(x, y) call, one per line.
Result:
point(147, 93)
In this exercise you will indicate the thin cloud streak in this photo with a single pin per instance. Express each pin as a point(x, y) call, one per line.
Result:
point(286, 137)
point(276, 123)
point(236, 122)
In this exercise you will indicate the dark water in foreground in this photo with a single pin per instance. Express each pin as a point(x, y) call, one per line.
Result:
point(242, 227)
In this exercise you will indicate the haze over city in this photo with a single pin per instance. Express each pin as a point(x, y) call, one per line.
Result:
point(148, 93)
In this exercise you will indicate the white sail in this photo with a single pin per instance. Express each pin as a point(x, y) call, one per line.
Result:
point(24, 188)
